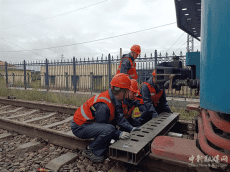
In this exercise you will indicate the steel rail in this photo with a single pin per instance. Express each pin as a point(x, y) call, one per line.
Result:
point(43, 106)
point(49, 135)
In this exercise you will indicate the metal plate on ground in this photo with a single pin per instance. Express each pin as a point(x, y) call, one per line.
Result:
point(139, 145)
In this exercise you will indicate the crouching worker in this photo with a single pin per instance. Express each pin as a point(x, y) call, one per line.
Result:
point(92, 119)
point(154, 100)
point(132, 101)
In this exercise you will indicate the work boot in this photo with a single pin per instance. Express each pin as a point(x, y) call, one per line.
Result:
point(94, 158)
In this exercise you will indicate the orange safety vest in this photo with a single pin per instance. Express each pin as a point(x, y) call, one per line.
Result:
point(154, 97)
point(139, 97)
point(131, 72)
point(84, 115)
point(127, 112)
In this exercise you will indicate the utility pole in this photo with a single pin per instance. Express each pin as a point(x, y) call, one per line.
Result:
point(190, 43)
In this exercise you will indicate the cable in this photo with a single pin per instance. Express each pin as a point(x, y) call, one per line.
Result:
point(21, 47)
point(175, 42)
point(53, 16)
point(93, 40)
point(181, 46)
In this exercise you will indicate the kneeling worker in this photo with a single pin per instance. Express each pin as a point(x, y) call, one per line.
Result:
point(92, 119)
point(132, 101)
point(154, 100)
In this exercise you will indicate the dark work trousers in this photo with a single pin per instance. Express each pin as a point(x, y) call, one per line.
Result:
point(101, 132)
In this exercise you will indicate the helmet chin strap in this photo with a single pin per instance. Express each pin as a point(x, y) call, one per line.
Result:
point(124, 95)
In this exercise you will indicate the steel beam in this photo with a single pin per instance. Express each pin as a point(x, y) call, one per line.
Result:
point(139, 145)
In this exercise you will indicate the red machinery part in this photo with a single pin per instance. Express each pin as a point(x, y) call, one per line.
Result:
point(204, 144)
point(193, 106)
point(210, 134)
point(219, 122)
point(175, 148)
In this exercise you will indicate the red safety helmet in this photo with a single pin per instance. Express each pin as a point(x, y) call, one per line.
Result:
point(134, 86)
point(136, 49)
point(154, 73)
point(121, 80)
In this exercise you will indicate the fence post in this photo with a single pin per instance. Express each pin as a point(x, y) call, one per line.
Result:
point(74, 75)
point(91, 78)
point(155, 56)
point(109, 69)
point(24, 73)
point(6, 75)
point(13, 78)
point(47, 76)
point(28, 83)
point(67, 85)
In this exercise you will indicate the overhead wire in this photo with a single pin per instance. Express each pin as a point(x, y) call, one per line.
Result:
point(21, 47)
point(180, 46)
point(94, 40)
point(53, 16)
point(176, 41)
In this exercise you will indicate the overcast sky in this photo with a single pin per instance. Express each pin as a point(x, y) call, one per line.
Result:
point(68, 25)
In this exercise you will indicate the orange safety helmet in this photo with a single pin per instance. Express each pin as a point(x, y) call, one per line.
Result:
point(136, 49)
point(134, 86)
point(121, 80)
point(154, 73)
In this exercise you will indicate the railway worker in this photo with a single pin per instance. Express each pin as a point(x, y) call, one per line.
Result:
point(154, 100)
point(132, 101)
point(92, 119)
point(127, 64)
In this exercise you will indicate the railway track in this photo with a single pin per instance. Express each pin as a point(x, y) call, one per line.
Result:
point(38, 135)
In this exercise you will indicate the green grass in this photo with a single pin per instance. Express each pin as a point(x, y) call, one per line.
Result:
point(72, 99)
point(185, 115)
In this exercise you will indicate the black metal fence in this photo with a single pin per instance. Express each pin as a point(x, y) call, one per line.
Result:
point(76, 75)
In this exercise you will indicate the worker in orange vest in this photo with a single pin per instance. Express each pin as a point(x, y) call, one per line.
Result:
point(93, 119)
point(154, 99)
point(127, 64)
point(133, 100)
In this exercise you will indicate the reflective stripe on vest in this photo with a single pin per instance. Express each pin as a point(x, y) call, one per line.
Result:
point(109, 101)
point(154, 96)
point(95, 98)
point(84, 115)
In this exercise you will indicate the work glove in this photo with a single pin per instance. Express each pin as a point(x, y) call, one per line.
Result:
point(136, 129)
point(124, 135)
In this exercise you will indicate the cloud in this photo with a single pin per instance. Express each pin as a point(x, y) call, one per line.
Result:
point(107, 19)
